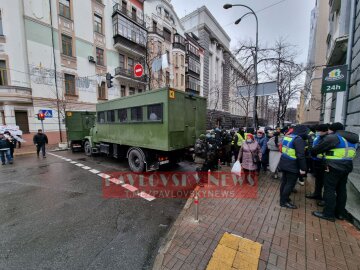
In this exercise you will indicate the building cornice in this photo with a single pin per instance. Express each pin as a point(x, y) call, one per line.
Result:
point(207, 11)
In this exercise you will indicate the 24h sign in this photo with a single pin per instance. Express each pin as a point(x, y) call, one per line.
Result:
point(334, 79)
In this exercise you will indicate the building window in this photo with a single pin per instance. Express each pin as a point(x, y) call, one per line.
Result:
point(64, 7)
point(99, 56)
point(131, 65)
point(1, 26)
point(155, 112)
point(3, 73)
point(133, 13)
point(167, 14)
point(66, 45)
point(140, 91)
point(167, 34)
point(193, 84)
point(101, 117)
point(168, 56)
point(98, 24)
point(160, 75)
point(122, 91)
point(122, 61)
point(131, 91)
point(182, 79)
point(154, 26)
point(70, 84)
point(176, 60)
point(176, 79)
point(110, 116)
point(102, 91)
point(159, 47)
point(194, 66)
point(122, 115)
point(124, 6)
point(182, 60)
point(167, 78)
point(136, 114)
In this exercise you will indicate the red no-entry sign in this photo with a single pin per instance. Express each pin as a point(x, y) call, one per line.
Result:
point(138, 70)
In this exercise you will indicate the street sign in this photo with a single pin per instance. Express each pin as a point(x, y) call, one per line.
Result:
point(138, 70)
point(334, 79)
point(47, 113)
point(263, 89)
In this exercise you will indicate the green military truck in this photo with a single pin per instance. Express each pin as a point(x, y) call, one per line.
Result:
point(149, 129)
point(78, 125)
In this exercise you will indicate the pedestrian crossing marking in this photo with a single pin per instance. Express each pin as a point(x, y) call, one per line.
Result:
point(235, 252)
point(146, 196)
point(131, 188)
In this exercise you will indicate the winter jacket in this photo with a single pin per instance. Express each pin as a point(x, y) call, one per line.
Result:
point(40, 139)
point(299, 163)
point(246, 154)
point(271, 144)
point(330, 142)
point(262, 141)
point(4, 144)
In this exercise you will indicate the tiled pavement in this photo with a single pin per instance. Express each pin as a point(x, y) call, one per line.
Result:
point(291, 239)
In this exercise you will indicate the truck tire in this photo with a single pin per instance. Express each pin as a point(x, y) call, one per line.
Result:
point(136, 161)
point(87, 149)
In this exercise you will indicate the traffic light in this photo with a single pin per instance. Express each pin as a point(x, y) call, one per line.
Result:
point(40, 116)
point(109, 78)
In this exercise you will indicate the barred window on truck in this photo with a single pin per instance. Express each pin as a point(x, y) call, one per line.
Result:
point(136, 114)
point(155, 112)
point(101, 117)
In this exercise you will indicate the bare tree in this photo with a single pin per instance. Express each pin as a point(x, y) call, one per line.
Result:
point(213, 100)
point(276, 63)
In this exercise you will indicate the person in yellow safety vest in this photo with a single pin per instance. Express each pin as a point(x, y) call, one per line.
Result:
point(238, 140)
point(292, 163)
point(318, 163)
point(339, 149)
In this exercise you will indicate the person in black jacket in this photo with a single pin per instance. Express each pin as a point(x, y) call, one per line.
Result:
point(318, 163)
point(292, 163)
point(339, 149)
point(40, 139)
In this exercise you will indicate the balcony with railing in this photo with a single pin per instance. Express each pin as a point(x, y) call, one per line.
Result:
point(129, 73)
point(156, 30)
point(118, 9)
point(17, 94)
point(179, 42)
point(128, 36)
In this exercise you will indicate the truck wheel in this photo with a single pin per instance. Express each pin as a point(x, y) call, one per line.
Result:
point(136, 161)
point(87, 148)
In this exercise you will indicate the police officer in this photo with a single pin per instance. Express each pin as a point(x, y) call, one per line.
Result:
point(339, 149)
point(238, 140)
point(318, 163)
point(292, 163)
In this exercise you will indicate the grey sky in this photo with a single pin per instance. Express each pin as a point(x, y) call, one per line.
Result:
point(289, 19)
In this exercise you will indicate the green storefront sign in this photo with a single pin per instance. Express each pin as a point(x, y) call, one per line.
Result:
point(334, 79)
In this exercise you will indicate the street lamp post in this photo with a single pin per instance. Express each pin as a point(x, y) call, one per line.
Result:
point(227, 6)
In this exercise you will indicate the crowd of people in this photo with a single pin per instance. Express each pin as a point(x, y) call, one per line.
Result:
point(326, 151)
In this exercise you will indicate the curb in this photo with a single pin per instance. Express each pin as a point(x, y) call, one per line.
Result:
point(167, 241)
point(24, 153)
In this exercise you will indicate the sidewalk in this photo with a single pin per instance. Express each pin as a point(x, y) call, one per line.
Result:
point(290, 239)
point(28, 147)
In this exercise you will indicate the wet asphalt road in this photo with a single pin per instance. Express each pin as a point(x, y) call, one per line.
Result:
point(53, 216)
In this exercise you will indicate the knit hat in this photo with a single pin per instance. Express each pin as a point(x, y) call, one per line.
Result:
point(336, 126)
point(322, 127)
point(250, 135)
